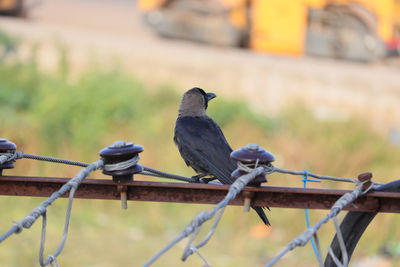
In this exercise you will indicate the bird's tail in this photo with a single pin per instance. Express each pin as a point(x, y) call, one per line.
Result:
point(262, 215)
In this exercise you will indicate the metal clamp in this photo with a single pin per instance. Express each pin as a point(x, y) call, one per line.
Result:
point(251, 155)
point(119, 152)
point(5, 148)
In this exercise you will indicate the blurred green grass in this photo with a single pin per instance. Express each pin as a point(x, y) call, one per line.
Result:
point(74, 116)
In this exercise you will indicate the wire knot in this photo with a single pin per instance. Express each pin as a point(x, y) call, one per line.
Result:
point(237, 186)
point(347, 198)
point(32, 217)
point(302, 239)
point(74, 183)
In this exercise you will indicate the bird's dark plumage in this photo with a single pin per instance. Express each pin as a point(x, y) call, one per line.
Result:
point(201, 142)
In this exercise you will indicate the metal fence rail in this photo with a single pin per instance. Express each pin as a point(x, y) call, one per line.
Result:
point(272, 196)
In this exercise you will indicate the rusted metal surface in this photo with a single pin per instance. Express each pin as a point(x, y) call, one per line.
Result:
point(271, 196)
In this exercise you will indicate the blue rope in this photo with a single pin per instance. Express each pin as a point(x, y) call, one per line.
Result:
point(305, 180)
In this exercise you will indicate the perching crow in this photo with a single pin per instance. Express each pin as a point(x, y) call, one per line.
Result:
point(201, 142)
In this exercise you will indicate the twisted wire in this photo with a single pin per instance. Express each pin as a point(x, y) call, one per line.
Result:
point(21, 155)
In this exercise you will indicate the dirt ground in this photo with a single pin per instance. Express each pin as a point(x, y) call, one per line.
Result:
point(107, 30)
point(108, 16)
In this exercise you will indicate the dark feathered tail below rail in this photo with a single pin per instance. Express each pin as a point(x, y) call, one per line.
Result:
point(262, 215)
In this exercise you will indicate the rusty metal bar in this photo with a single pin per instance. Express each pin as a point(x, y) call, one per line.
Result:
point(271, 196)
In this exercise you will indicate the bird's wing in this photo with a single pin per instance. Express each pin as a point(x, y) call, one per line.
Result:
point(203, 146)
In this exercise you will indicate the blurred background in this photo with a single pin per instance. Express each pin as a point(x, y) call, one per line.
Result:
point(316, 82)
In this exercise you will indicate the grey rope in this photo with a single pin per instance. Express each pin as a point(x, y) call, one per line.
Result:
point(302, 239)
point(204, 216)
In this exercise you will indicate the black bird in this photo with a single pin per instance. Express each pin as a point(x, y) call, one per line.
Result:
point(201, 142)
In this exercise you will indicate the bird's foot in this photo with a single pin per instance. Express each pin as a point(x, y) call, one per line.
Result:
point(206, 180)
point(197, 178)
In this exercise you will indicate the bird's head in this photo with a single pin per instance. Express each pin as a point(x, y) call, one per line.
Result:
point(195, 102)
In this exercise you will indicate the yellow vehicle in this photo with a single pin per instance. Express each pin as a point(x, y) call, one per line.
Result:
point(361, 30)
point(11, 7)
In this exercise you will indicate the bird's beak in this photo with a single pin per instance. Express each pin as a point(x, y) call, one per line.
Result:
point(210, 96)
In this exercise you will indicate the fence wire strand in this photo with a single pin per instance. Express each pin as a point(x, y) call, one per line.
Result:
point(321, 177)
point(341, 242)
